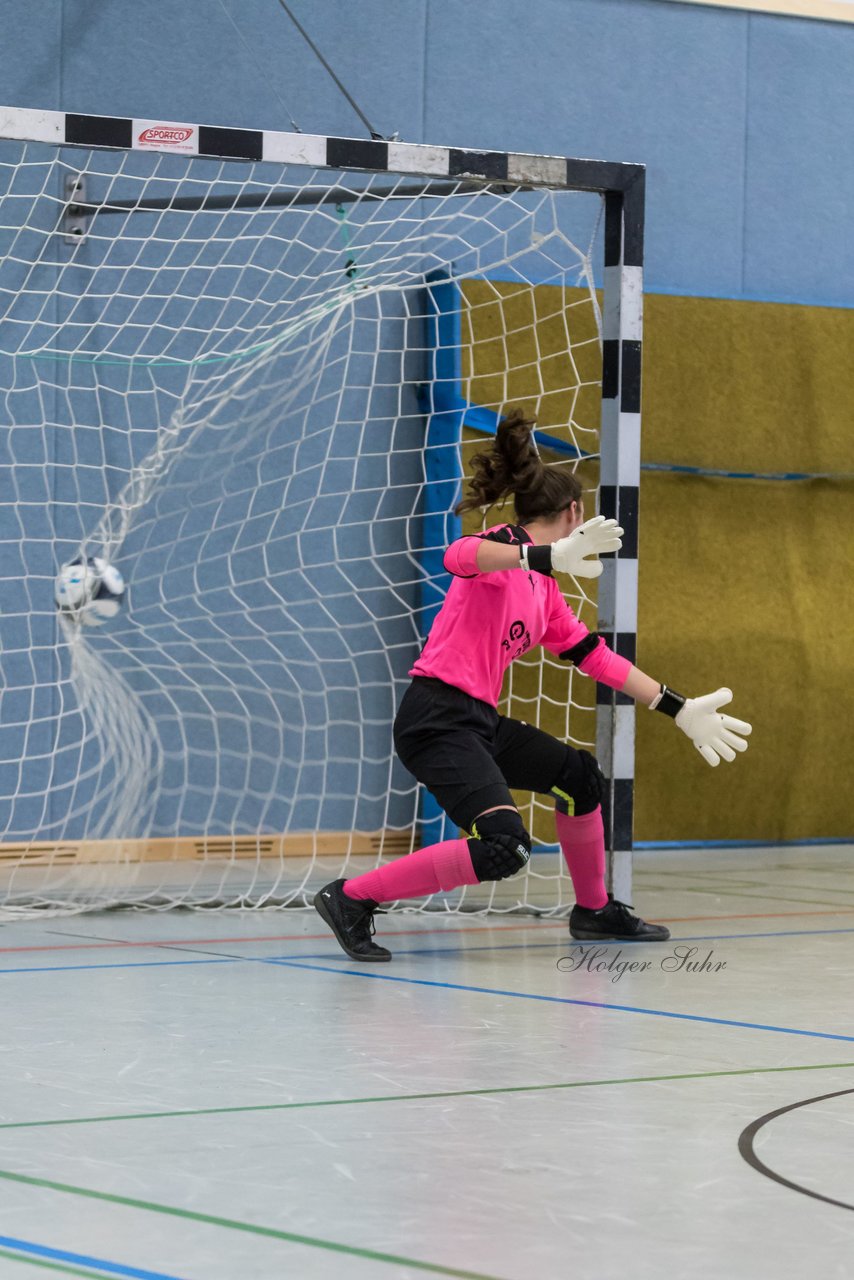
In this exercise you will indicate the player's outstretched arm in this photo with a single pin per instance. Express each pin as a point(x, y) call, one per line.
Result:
point(577, 554)
point(715, 735)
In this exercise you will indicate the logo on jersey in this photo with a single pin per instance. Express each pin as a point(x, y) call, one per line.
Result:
point(518, 639)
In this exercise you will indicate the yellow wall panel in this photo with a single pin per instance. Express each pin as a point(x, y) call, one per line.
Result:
point(752, 386)
point(742, 582)
point(536, 348)
point(747, 584)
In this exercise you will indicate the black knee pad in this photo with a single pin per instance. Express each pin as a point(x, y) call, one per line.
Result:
point(581, 784)
point(499, 845)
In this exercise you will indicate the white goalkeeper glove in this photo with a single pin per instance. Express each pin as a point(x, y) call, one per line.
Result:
point(714, 735)
point(594, 538)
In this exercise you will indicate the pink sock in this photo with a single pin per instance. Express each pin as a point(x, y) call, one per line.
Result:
point(439, 866)
point(582, 841)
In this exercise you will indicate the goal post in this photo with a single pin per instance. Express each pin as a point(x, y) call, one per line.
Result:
point(227, 372)
point(620, 447)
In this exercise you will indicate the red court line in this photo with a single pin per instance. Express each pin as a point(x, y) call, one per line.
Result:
point(400, 933)
point(279, 937)
point(758, 915)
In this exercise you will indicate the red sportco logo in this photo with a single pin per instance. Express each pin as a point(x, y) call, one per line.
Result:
point(163, 134)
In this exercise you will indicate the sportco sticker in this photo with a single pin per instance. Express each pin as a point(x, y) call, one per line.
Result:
point(177, 137)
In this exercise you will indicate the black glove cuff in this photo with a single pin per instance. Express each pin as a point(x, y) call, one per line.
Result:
point(670, 702)
point(540, 559)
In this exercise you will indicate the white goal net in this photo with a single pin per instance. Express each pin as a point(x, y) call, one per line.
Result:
point(238, 383)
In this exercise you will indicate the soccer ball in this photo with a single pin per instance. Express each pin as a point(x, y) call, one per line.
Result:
point(89, 591)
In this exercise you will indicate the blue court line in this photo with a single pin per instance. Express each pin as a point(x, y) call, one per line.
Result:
point(778, 299)
point(561, 942)
point(587, 1004)
point(82, 1260)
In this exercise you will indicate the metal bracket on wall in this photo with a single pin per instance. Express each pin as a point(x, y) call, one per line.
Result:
point(75, 217)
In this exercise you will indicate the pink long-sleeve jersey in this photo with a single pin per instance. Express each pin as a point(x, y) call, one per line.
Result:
point(488, 619)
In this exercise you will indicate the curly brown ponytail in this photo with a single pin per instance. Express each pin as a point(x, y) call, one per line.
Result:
point(513, 466)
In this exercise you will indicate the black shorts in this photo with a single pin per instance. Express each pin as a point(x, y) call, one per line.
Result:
point(467, 755)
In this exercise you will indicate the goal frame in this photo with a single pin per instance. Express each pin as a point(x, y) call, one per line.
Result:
point(622, 185)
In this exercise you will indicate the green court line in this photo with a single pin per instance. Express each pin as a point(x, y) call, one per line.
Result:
point(51, 1266)
point(416, 1097)
point(352, 1251)
point(292, 1237)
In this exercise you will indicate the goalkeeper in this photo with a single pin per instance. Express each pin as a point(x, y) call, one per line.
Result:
point(503, 601)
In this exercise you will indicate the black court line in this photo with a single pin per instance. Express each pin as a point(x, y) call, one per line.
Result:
point(747, 1149)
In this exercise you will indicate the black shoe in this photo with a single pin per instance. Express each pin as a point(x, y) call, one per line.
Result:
point(614, 920)
point(351, 920)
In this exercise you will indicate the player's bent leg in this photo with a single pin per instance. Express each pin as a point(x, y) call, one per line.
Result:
point(499, 845)
point(348, 906)
point(613, 922)
point(596, 915)
point(434, 869)
point(351, 920)
point(580, 785)
point(578, 793)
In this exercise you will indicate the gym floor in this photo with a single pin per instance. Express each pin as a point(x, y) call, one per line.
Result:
point(225, 1096)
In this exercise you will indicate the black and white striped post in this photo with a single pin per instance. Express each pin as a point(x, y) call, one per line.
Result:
point(619, 489)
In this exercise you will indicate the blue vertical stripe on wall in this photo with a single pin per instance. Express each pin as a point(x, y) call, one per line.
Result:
point(441, 491)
